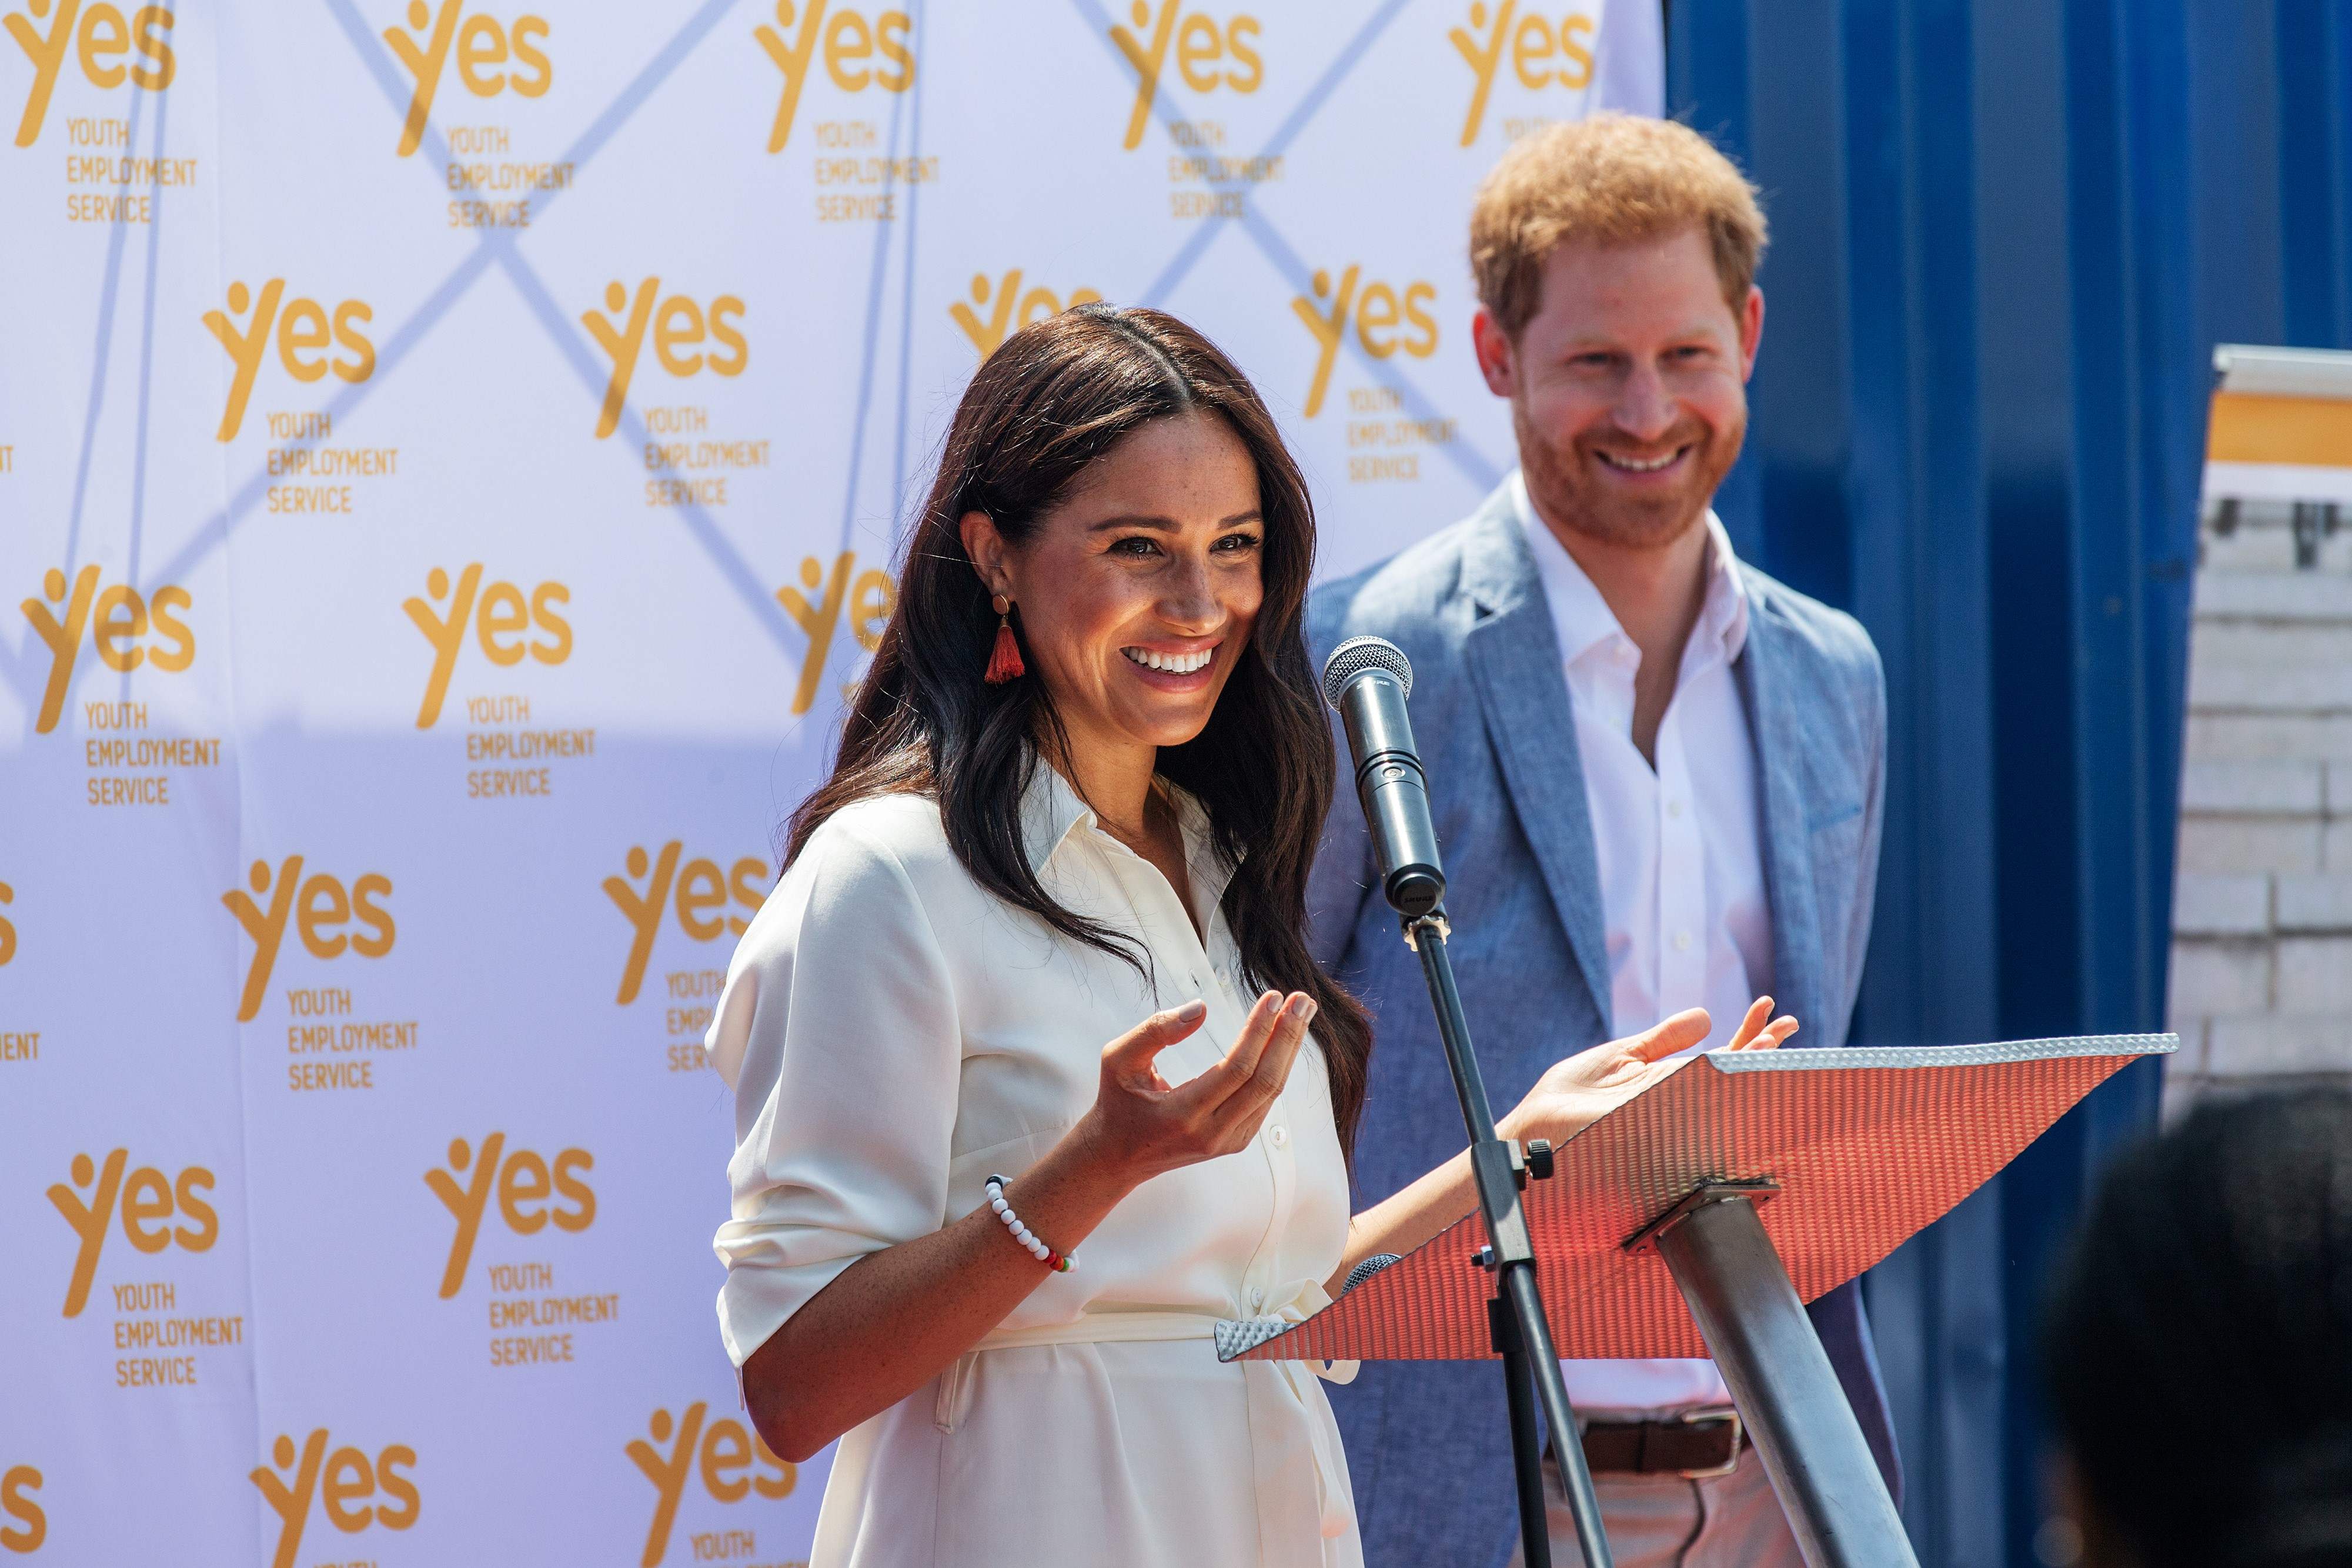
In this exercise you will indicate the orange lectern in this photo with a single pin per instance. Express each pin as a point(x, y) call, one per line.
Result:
point(1698, 1218)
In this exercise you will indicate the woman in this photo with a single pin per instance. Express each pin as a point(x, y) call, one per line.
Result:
point(1079, 787)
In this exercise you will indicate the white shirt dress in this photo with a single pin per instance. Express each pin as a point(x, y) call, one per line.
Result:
point(894, 1035)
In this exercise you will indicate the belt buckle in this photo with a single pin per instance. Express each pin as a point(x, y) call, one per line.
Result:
point(1692, 1417)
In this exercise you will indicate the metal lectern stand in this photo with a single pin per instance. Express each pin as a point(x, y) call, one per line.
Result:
point(1699, 1218)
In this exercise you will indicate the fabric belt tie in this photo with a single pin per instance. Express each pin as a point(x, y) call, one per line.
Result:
point(1294, 1439)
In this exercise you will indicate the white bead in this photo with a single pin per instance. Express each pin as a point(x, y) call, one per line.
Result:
point(997, 1203)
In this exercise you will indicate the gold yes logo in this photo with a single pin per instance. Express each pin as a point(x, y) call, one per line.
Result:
point(115, 620)
point(727, 1451)
point(321, 910)
point(8, 932)
point(1376, 314)
point(1199, 44)
point(870, 601)
point(302, 342)
point(100, 44)
point(678, 324)
point(1005, 318)
point(524, 1181)
point(482, 44)
point(850, 41)
point(17, 1485)
point(1531, 45)
point(347, 1484)
point(149, 1201)
point(500, 617)
point(701, 893)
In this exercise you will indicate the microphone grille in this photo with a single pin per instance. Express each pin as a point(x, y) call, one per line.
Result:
point(1357, 655)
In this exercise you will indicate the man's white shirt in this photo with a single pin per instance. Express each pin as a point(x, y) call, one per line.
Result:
point(1679, 851)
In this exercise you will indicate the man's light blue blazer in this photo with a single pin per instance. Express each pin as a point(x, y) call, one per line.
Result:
point(1428, 1444)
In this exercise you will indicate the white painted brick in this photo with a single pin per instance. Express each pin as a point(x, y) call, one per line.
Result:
point(2281, 596)
point(2213, 977)
point(2314, 904)
point(2182, 1093)
point(2340, 788)
point(2315, 975)
point(2204, 905)
point(2279, 1042)
point(2269, 737)
point(2252, 547)
point(2335, 848)
point(2251, 789)
point(2273, 645)
point(2222, 846)
point(2245, 689)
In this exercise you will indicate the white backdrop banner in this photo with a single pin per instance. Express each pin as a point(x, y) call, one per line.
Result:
point(450, 461)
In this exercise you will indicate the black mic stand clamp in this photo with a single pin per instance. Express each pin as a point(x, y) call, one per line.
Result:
point(1522, 1337)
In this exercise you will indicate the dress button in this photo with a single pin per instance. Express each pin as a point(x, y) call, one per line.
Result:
point(1682, 941)
point(1674, 807)
point(1280, 1136)
point(1258, 1299)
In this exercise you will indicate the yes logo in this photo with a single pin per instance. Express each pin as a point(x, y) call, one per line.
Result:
point(850, 41)
point(1201, 45)
point(726, 1452)
point(8, 932)
point(482, 44)
point(701, 895)
point(678, 324)
point(1004, 318)
point(499, 619)
point(321, 910)
point(1376, 314)
point(149, 1202)
point(18, 1486)
point(100, 46)
point(1530, 44)
point(870, 603)
point(354, 1491)
point(524, 1182)
point(302, 342)
point(115, 619)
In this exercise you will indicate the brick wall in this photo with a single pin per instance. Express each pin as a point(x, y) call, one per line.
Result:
point(2261, 953)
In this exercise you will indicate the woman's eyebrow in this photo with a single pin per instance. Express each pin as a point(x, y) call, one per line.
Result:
point(1169, 525)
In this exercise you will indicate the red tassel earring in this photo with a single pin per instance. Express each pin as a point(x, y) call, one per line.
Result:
point(1005, 658)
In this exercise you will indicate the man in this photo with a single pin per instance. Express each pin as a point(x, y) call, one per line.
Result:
point(1657, 775)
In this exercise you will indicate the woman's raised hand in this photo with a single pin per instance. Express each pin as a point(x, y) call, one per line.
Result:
point(1148, 1126)
point(1575, 1093)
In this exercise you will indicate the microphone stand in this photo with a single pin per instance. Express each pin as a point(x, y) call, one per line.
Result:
point(1522, 1336)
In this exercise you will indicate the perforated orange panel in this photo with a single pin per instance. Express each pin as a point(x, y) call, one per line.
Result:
point(1869, 1146)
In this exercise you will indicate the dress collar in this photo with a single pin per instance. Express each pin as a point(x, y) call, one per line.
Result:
point(1582, 619)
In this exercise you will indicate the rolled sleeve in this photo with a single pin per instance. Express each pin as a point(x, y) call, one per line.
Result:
point(838, 1025)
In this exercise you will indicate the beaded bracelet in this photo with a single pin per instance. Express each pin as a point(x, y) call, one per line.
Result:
point(1022, 1233)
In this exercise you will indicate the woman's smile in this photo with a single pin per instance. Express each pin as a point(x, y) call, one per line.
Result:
point(1172, 667)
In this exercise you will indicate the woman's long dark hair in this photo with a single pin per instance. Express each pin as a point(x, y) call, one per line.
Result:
point(1050, 403)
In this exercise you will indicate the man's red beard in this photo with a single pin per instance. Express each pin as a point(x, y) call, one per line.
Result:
point(1562, 481)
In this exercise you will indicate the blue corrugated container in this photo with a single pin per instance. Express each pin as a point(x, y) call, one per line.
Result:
point(2006, 237)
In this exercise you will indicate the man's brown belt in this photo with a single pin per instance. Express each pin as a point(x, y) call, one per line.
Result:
point(1701, 1442)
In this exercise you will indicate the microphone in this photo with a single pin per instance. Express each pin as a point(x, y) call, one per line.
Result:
point(1366, 679)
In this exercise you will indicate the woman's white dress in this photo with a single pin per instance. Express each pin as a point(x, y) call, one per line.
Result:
point(894, 1035)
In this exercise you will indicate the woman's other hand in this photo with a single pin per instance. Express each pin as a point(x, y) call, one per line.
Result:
point(1575, 1093)
point(1144, 1126)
